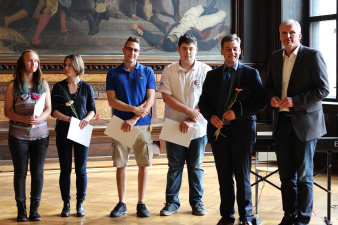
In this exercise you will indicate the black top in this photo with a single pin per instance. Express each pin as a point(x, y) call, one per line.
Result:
point(83, 102)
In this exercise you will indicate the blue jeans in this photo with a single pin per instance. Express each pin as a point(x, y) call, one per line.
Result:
point(177, 156)
point(64, 147)
point(22, 151)
point(295, 164)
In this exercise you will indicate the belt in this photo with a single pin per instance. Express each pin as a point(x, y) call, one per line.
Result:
point(284, 114)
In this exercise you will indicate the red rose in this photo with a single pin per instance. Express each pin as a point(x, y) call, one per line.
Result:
point(35, 96)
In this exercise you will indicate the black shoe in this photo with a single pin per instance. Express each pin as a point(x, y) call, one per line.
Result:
point(245, 223)
point(66, 209)
point(79, 209)
point(33, 213)
point(287, 221)
point(198, 209)
point(22, 215)
point(302, 220)
point(225, 221)
point(119, 210)
point(168, 209)
point(142, 210)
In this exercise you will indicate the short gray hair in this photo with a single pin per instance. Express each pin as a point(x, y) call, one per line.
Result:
point(291, 22)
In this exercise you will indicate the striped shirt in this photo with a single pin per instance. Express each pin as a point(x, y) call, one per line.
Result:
point(24, 106)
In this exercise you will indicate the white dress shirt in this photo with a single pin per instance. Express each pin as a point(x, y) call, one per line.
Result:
point(288, 63)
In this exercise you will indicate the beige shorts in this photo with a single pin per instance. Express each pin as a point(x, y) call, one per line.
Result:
point(142, 150)
point(51, 7)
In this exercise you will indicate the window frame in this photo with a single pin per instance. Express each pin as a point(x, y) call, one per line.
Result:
point(310, 19)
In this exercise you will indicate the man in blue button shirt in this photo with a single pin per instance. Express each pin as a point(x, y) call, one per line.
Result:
point(131, 93)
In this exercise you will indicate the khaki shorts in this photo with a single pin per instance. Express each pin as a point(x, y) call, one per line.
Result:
point(51, 7)
point(142, 150)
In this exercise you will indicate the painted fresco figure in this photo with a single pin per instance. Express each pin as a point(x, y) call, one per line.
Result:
point(100, 12)
point(32, 8)
point(49, 11)
point(196, 21)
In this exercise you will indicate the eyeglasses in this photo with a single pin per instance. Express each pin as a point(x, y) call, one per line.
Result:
point(129, 49)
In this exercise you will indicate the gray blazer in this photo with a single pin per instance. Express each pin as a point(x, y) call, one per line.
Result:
point(308, 86)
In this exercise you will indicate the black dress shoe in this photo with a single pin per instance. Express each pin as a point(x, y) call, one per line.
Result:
point(287, 221)
point(79, 209)
point(66, 209)
point(226, 221)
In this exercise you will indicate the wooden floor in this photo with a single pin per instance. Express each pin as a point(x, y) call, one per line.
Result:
point(102, 197)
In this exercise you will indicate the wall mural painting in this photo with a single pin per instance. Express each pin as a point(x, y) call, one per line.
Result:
point(100, 27)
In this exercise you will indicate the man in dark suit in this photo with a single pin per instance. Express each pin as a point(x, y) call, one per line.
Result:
point(232, 148)
point(296, 84)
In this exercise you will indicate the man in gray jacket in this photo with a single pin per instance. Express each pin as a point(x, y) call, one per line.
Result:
point(297, 82)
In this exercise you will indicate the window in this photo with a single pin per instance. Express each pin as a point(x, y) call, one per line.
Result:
point(323, 36)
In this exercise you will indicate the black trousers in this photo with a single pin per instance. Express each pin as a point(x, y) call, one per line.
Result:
point(65, 148)
point(35, 152)
point(233, 159)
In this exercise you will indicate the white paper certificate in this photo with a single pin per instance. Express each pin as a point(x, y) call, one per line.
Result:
point(114, 130)
point(79, 136)
point(171, 132)
point(40, 105)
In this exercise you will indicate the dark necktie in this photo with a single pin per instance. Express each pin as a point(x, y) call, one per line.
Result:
point(224, 92)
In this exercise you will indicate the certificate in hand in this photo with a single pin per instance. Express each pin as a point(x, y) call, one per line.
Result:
point(114, 130)
point(79, 136)
point(40, 105)
point(171, 132)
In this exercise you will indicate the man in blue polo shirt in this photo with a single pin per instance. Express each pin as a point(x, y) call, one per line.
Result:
point(131, 93)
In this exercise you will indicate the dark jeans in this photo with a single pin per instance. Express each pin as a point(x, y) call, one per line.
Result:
point(193, 156)
point(233, 159)
point(64, 147)
point(22, 151)
point(295, 164)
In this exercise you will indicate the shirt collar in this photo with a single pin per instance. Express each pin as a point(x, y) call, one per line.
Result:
point(136, 67)
point(234, 67)
point(295, 52)
point(193, 68)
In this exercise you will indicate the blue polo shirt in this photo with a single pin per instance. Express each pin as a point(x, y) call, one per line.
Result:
point(131, 88)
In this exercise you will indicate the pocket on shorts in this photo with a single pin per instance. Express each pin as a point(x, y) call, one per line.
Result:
point(144, 152)
point(113, 150)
